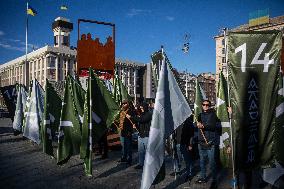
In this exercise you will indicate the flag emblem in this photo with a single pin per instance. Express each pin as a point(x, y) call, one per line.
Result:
point(31, 11)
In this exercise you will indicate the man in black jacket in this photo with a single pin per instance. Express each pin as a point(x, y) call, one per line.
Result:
point(143, 123)
point(126, 130)
point(186, 145)
point(207, 140)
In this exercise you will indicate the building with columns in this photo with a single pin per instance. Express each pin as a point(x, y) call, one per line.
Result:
point(48, 62)
point(54, 62)
point(206, 81)
point(187, 82)
point(132, 75)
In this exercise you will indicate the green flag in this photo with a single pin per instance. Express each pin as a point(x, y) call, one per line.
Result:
point(254, 64)
point(222, 114)
point(272, 175)
point(104, 110)
point(70, 122)
point(87, 137)
point(279, 129)
point(51, 117)
point(119, 91)
point(199, 97)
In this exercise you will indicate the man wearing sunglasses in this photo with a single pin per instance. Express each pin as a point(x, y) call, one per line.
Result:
point(207, 140)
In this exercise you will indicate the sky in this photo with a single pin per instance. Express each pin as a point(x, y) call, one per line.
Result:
point(142, 26)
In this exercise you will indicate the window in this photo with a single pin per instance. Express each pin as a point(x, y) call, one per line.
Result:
point(223, 60)
point(65, 41)
point(223, 51)
point(51, 61)
point(51, 74)
point(55, 40)
point(223, 42)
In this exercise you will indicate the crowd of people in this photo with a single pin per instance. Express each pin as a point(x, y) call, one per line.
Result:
point(197, 138)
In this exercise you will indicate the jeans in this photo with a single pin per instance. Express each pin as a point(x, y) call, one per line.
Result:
point(122, 145)
point(127, 149)
point(187, 156)
point(142, 145)
point(210, 152)
point(177, 158)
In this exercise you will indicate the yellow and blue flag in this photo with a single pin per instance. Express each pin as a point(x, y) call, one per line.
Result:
point(31, 11)
point(259, 17)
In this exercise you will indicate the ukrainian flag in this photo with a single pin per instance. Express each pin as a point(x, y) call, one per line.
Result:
point(259, 17)
point(31, 11)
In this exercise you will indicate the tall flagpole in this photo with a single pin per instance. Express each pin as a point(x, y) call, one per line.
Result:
point(26, 62)
point(230, 116)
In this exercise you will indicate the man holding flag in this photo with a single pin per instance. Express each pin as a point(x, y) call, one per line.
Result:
point(170, 111)
point(207, 140)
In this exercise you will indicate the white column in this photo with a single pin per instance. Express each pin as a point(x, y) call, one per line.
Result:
point(36, 70)
point(40, 71)
point(71, 64)
point(122, 75)
point(22, 73)
point(9, 76)
point(186, 87)
point(56, 68)
point(67, 66)
point(135, 85)
point(62, 76)
point(128, 80)
point(14, 75)
point(18, 74)
point(45, 67)
point(32, 70)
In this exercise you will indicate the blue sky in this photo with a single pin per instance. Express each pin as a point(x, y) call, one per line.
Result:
point(142, 26)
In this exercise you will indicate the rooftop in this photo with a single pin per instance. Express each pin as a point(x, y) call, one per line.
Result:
point(245, 27)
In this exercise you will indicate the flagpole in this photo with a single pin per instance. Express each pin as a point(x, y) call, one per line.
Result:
point(225, 30)
point(26, 61)
point(91, 118)
point(186, 83)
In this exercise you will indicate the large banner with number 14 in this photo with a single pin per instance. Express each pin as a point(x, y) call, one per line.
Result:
point(254, 65)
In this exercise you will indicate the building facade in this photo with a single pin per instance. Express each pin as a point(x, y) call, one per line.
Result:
point(276, 23)
point(206, 81)
point(187, 83)
point(55, 62)
point(132, 75)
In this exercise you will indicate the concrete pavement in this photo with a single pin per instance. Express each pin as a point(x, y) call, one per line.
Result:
point(24, 165)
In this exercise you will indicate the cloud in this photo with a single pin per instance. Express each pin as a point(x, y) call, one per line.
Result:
point(16, 44)
point(1, 33)
point(14, 40)
point(170, 18)
point(136, 12)
point(7, 46)
point(30, 46)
